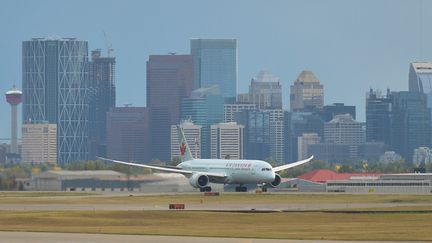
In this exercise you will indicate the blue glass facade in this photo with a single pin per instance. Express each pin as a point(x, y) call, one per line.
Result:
point(215, 63)
point(295, 124)
point(55, 91)
point(411, 123)
point(204, 107)
point(378, 117)
point(257, 133)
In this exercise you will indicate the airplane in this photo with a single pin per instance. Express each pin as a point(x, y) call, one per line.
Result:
point(201, 172)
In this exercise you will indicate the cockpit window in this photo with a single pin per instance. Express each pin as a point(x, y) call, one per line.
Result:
point(265, 169)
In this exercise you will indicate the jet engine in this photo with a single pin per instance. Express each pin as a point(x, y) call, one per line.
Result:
point(199, 181)
point(277, 181)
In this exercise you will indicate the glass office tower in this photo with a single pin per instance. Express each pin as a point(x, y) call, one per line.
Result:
point(54, 91)
point(215, 63)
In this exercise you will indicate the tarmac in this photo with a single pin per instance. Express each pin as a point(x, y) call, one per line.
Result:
point(201, 207)
point(37, 237)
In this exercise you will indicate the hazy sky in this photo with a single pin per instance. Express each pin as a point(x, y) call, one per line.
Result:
point(351, 46)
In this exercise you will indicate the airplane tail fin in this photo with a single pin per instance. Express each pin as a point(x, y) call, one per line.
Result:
point(185, 153)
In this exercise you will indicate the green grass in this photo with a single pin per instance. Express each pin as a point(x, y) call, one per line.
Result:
point(413, 222)
point(297, 225)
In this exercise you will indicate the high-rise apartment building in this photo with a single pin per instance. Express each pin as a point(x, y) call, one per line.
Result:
point(227, 141)
point(378, 116)
point(411, 123)
point(215, 63)
point(128, 134)
point(169, 80)
point(39, 143)
point(204, 107)
point(306, 93)
point(192, 134)
point(102, 97)
point(265, 91)
point(54, 85)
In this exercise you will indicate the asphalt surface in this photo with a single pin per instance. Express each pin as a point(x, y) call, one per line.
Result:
point(34, 237)
point(201, 207)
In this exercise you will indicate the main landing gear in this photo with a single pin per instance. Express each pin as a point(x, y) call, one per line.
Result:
point(205, 189)
point(241, 188)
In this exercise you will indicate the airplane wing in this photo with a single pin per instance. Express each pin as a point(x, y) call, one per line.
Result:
point(287, 166)
point(177, 170)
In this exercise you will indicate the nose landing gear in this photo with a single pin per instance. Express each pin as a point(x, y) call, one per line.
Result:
point(205, 189)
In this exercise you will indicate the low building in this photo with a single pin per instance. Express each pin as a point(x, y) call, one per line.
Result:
point(390, 183)
point(299, 185)
point(89, 180)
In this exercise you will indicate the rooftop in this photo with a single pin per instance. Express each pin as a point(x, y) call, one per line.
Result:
point(307, 76)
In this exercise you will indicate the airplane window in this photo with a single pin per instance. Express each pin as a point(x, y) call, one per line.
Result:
point(263, 169)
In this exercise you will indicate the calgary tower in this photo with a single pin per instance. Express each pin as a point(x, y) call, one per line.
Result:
point(14, 98)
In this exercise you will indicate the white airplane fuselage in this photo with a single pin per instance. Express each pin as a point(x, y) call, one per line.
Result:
point(237, 171)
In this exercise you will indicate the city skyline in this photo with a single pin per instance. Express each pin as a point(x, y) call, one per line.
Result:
point(337, 51)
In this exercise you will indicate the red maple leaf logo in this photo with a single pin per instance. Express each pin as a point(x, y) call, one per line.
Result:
point(182, 149)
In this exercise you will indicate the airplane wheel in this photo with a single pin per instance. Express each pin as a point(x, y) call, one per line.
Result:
point(208, 188)
point(264, 189)
point(244, 189)
point(202, 189)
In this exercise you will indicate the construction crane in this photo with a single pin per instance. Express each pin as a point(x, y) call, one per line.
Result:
point(108, 44)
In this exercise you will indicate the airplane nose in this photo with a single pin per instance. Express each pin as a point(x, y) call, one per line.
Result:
point(271, 176)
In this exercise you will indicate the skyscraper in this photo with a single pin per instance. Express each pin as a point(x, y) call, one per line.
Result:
point(230, 110)
point(265, 91)
point(304, 141)
point(55, 91)
point(276, 118)
point(128, 134)
point(227, 141)
point(420, 77)
point(101, 92)
point(344, 130)
point(411, 123)
point(378, 116)
point(330, 111)
point(257, 133)
point(306, 93)
point(169, 80)
point(215, 63)
point(204, 107)
point(295, 125)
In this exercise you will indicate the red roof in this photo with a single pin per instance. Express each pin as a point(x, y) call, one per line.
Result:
point(323, 176)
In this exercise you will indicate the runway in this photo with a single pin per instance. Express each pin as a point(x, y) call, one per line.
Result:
point(201, 207)
point(35, 237)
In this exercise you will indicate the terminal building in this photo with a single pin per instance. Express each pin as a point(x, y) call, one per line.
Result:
point(391, 183)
